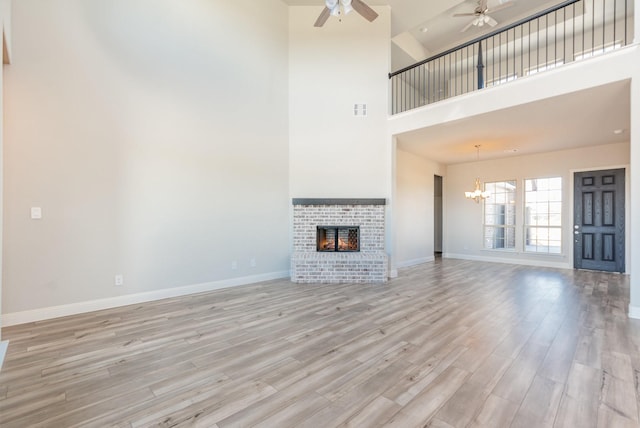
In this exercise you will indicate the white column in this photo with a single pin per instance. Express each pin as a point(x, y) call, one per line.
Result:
point(391, 229)
point(636, 21)
point(634, 135)
point(5, 39)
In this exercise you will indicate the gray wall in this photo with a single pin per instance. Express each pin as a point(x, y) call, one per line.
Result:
point(154, 136)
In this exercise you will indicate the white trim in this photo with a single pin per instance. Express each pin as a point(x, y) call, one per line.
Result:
point(3, 351)
point(414, 262)
point(15, 318)
point(525, 262)
point(634, 312)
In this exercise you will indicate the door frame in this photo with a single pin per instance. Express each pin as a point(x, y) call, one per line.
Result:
point(568, 232)
point(439, 214)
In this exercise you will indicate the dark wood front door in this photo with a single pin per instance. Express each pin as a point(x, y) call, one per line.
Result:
point(598, 228)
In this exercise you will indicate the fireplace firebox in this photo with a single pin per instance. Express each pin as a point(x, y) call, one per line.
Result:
point(338, 238)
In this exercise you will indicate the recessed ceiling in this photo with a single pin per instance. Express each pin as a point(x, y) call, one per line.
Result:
point(559, 123)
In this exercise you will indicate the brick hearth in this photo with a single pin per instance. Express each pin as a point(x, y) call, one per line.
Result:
point(370, 264)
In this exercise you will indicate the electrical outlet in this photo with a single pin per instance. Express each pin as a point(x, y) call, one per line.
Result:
point(119, 280)
point(36, 213)
point(252, 262)
point(234, 265)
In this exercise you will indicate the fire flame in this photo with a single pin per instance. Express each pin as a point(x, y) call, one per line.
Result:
point(342, 245)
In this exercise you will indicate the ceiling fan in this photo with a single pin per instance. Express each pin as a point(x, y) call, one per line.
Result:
point(332, 7)
point(481, 16)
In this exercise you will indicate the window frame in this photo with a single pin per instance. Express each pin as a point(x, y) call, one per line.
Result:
point(559, 213)
point(504, 226)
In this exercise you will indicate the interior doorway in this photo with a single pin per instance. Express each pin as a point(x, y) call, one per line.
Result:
point(437, 216)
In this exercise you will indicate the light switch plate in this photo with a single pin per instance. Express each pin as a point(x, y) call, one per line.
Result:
point(36, 213)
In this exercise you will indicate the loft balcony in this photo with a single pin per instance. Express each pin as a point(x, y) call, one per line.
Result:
point(571, 31)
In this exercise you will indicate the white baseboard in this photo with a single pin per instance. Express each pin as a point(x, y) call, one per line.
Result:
point(3, 351)
point(634, 312)
point(415, 262)
point(15, 318)
point(524, 262)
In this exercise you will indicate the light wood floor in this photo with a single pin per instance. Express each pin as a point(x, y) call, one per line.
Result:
point(447, 344)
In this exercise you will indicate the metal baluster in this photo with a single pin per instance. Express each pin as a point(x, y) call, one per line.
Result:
point(443, 76)
point(603, 24)
point(500, 58)
point(625, 21)
point(615, 19)
point(593, 27)
point(546, 39)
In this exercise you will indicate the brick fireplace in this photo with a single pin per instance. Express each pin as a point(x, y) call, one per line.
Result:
point(339, 240)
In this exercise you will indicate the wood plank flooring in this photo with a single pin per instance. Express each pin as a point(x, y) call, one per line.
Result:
point(447, 344)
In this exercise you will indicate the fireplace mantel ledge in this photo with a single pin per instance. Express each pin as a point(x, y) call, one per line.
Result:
point(339, 201)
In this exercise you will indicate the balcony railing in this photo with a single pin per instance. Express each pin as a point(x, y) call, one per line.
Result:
point(572, 31)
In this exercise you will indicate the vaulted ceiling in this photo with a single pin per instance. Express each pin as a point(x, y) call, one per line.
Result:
point(422, 28)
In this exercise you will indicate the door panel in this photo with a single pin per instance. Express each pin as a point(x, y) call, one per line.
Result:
point(587, 246)
point(599, 223)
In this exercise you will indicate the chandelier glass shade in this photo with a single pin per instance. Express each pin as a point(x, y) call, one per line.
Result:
point(477, 193)
point(335, 5)
point(481, 20)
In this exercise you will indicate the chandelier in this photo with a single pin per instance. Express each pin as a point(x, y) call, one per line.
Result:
point(334, 6)
point(477, 194)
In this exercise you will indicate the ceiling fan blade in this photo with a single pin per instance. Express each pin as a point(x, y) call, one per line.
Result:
point(492, 22)
point(364, 10)
point(464, 14)
point(466, 27)
point(500, 7)
point(324, 15)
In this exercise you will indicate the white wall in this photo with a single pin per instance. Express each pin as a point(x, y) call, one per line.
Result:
point(5, 39)
point(333, 153)
point(154, 135)
point(5, 12)
point(463, 228)
point(414, 208)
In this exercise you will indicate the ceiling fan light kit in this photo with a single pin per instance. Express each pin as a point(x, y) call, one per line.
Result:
point(334, 6)
point(481, 16)
point(342, 7)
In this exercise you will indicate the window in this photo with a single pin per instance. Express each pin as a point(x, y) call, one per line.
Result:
point(544, 67)
point(598, 50)
point(501, 80)
point(500, 215)
point(543, 215)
